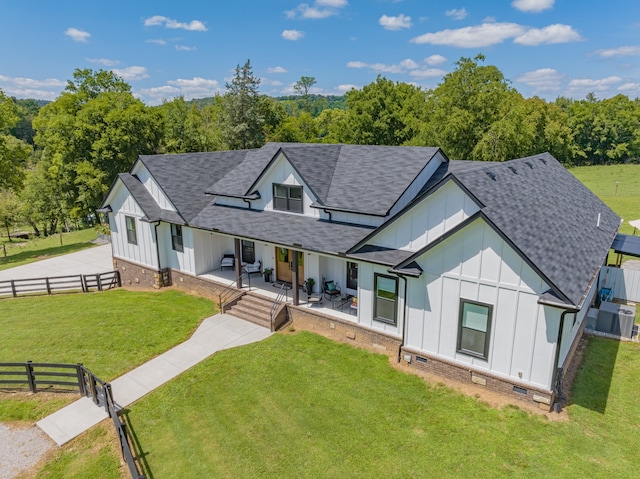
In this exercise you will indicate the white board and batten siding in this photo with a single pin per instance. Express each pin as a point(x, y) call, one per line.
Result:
point(144, 252)
point(478, 265)
point(170, 258)
point(428, 219)
point(152, 186)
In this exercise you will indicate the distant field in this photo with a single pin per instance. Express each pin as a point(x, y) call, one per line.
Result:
point(625, 200)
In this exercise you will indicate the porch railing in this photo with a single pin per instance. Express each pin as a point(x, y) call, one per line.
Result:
point(276, 305)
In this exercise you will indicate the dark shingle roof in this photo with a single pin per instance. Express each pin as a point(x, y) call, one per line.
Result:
point(281, 228)
point(344, 177)
point(185, 177)
point(549, 216)
point(151, 210)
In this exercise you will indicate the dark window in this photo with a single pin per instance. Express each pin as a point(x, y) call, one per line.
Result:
point(352, 275)
point(287, 198)
point(131, 229)
point(176, 238)
point(386, 298)
point(248, 252)
point(474, 329)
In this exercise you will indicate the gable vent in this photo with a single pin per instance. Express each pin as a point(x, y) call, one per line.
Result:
point(491, 174)
point(513, 170)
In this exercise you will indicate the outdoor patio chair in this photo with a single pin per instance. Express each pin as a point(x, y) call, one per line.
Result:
point(252, 268)
point(228, 261)
point(331, 290)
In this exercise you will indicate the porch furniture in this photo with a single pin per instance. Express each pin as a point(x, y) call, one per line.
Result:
point(331, 290)
point(252, 268)
point(228, 261)
point(314, 299)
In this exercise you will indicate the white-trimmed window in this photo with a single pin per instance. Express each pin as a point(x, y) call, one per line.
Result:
point(132, 236)
point(287, 198)
point(385, 307)
point(176, 238)
point(474, 330)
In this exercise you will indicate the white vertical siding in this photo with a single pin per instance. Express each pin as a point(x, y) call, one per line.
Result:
point(144, 252)
point(428, 219)
point(478, 265)
point(180, 260)
point(152, 186)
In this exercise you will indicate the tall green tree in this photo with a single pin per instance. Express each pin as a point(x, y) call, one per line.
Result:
point(243, 119)
point(303, 87)
point(9, 210)
point(384, 113)
point(189, 128)
point(91, 132)
point(13, 152)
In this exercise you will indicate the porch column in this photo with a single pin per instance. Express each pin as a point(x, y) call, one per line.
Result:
point(236, 243)
point(294, 277)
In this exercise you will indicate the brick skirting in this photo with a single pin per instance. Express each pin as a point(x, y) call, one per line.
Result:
point(344, 331)
point(463, 373)
point(139, 276)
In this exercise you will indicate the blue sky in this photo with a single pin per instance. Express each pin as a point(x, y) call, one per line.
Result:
point(167, 48)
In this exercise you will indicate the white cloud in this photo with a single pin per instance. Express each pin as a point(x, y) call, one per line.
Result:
point(594, 85)
point(196, 87)
point(532, 5)
point(428, 73)
point(159, 20)
point(184, 48)
point(103, 61)
point(342, 89)
point(77, 35)
point(276, 70)
point(483, 35)
point(542, 80)
point(395, 23)
point(549, 35)
point(132, 73)
point(626, 51)
point(20, 87)
point(457, 13)
point(377, 67)
point(487, 34)
point(319, 10)
point(157, 41)
point(292, 35)
point(435, 60)
point(633, 88)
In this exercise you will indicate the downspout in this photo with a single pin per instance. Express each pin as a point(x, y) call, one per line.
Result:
point(248, 202)
point(557, 387)
point(329, 213)
point(158, 253)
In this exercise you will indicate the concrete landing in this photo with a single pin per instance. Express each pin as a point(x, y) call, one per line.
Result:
point(216, 333)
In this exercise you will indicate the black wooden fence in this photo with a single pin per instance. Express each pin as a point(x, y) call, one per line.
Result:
point(71, 377)
point(79, 282)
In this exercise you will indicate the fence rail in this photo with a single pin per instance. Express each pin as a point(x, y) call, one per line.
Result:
point(48, 285)
point(71, 377)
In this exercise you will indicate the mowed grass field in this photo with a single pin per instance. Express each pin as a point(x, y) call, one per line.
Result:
point(623, 198)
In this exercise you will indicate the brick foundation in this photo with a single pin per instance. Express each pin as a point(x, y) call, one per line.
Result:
point(448, 369)
point(139, 276)
point(344, 331)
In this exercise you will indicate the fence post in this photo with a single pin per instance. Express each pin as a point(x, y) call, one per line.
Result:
point(83, 283)
point(48, 286)
point(92, 388)
point(108, 398)
point(13, 288)
point(99, 281)
point(81, 383)
point(30, 378)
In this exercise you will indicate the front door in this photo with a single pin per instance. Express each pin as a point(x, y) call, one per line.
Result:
point(284, 263)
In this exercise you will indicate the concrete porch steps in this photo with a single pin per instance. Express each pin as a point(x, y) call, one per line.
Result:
point(255, 309)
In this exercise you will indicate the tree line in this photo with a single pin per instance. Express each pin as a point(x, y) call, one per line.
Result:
point(58, 160)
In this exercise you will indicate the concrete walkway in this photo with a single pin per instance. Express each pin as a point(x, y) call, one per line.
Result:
point(88, 261)
point(216, 333)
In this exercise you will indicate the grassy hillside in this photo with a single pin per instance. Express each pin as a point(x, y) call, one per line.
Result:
point(602, 180)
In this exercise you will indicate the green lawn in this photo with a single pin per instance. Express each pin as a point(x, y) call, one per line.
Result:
point(602, 181)
point(21, 251)
point(304, 406)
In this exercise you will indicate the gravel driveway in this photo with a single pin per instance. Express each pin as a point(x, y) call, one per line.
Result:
point(21, 448)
